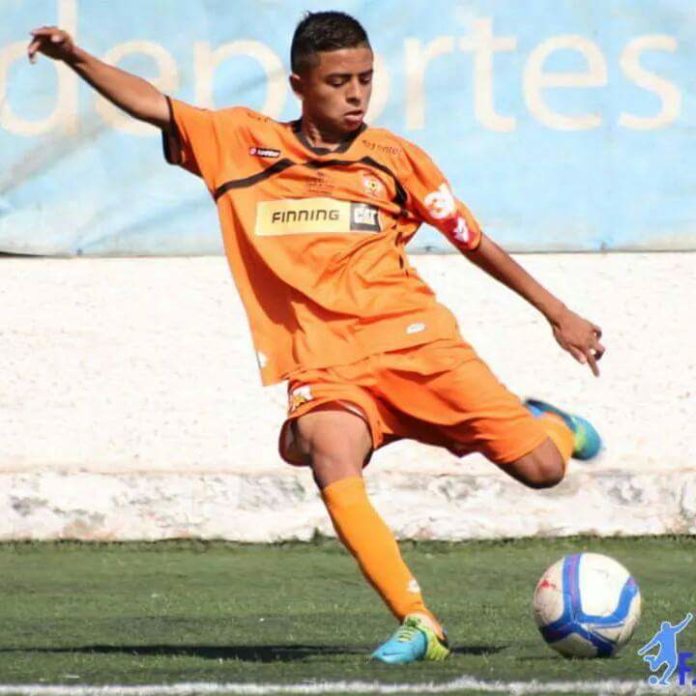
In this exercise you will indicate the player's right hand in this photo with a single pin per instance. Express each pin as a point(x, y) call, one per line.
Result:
point(580, 337)
point(52, 42)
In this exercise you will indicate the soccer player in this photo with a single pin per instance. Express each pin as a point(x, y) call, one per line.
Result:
point(315, 215)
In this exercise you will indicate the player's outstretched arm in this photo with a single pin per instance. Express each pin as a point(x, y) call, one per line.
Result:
point(648, 646)
point(137, 97)
point(683, 623)
point(578, 336)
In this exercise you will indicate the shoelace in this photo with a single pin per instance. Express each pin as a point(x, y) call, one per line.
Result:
point(407, 632)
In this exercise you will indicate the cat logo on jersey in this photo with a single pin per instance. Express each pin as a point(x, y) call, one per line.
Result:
point(364, 217)
point(314, 216)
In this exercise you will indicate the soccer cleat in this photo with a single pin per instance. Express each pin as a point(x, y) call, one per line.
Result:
point(587, 441)
point(414, 640)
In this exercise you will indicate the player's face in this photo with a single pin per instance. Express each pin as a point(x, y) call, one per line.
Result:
point(335, 93)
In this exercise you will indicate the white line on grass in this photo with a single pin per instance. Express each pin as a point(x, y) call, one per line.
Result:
point(462, 684)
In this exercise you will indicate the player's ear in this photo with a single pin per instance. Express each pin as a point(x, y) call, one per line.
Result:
point(296, 85)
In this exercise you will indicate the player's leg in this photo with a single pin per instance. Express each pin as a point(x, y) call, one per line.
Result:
point(460, 403)
point(336, 443)
point(585, 442)
point(543, 467)
point(333, 442)
point(568, 435)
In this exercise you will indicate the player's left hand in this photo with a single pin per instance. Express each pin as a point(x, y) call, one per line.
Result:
point(52, 42)
point(579, 337)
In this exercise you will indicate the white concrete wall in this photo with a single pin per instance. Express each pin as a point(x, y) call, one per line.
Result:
point(130, 406)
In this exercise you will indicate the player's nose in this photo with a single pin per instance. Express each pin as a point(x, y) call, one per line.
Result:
point(354, 93)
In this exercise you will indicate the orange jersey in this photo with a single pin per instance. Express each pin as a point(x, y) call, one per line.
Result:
point(315, 238)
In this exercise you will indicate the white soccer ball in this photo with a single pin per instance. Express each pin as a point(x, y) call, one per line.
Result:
point(587, 605)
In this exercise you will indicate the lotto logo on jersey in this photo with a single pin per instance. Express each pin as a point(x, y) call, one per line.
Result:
point(314, 216)
point(267, 152)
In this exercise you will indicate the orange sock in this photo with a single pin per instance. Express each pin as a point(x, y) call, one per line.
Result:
point(368, 538)
point(561, 435)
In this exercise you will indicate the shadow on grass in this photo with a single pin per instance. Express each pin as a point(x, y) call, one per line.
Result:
point(557, 657)
point(246, 653)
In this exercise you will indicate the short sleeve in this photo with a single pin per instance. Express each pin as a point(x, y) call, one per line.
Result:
point(431, 200)
point(192, 142)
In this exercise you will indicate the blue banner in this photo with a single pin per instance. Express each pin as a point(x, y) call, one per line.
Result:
point(563, 125)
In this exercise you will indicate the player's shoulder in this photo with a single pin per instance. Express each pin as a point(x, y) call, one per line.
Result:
point(244, 115)
point(391, 148)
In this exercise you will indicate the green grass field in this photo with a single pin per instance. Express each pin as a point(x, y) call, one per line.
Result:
point(170, 612)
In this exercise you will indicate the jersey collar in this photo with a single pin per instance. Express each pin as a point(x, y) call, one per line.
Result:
point(342, 146)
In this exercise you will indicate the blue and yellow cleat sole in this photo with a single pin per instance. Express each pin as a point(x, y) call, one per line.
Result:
point(587, 441)
point(413, 641)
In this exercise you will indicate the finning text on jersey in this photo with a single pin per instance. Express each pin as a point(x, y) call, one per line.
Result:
point(304, 215)
point(321, 215)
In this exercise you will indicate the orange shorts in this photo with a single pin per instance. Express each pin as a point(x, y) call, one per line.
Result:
point(440, 393)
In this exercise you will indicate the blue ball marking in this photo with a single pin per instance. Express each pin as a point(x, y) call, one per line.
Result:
point(573, 617)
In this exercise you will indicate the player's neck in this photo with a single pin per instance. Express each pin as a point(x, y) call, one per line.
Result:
point(320, 137)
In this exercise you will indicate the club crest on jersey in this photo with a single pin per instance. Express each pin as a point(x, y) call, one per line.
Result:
point(267, 152)
point(372, 185)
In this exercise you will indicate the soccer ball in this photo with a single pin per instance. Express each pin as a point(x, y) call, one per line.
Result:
point(587, 605)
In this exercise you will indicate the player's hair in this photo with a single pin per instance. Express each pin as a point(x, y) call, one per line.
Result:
point(324, 31)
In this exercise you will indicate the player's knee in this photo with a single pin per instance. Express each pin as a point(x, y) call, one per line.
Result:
point(332, 445)
point(544, 467)
point(547, 478)
point(322, 452)
point(547, 473)
point(331, 462)
point(323, 441)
